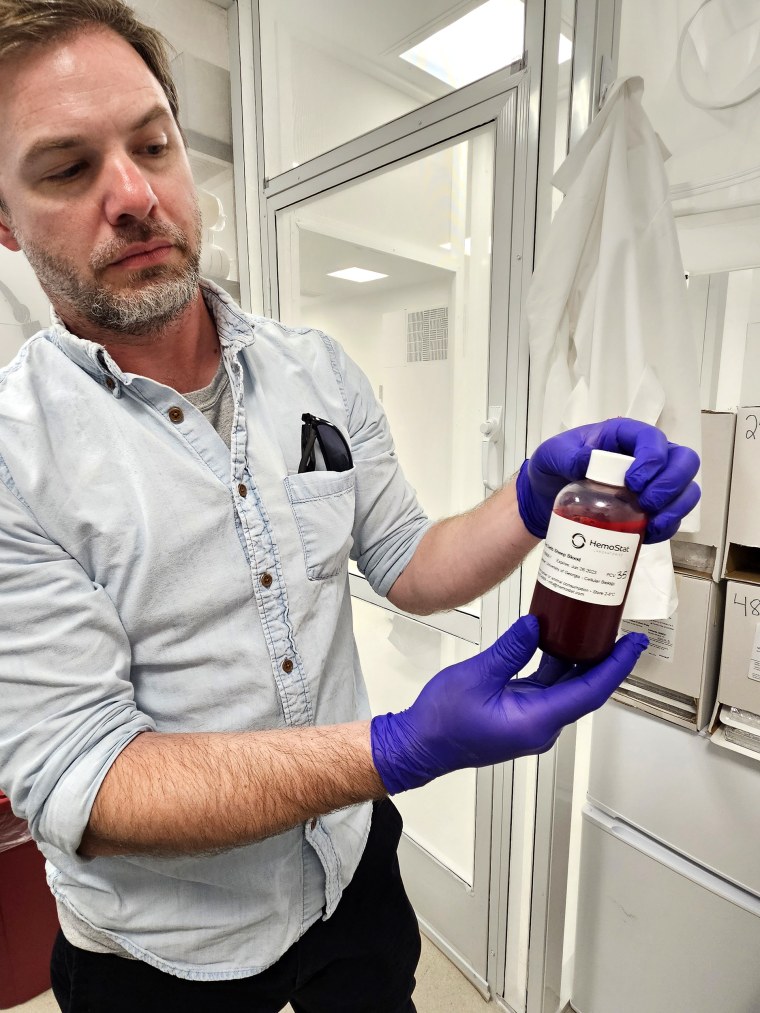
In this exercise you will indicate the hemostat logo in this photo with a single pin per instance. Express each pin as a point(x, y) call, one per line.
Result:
point(578, 541)
point(617, 547)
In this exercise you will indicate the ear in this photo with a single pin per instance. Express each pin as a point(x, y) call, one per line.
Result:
point(7, 238)
point(8, 242)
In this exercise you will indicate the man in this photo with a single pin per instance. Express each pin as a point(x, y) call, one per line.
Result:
point(184, 721)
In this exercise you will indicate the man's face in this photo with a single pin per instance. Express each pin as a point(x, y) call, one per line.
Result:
point(97, 186)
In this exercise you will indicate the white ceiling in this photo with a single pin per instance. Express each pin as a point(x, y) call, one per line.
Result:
point(319, 255)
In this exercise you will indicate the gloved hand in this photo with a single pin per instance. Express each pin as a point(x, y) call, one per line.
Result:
point(472, 715)
point(661, 475)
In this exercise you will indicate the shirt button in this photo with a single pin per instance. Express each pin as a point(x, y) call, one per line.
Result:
point(266, 580)
point(287, 666)
point(176, 415)
point(243, 490)
point(110, 383)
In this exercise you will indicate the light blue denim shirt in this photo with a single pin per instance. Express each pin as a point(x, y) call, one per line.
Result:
point(133, 547)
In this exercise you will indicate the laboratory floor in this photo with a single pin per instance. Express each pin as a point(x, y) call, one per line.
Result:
point(441, 988)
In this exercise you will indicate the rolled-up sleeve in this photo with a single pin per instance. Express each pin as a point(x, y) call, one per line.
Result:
point(66, 701)
point(389, 521)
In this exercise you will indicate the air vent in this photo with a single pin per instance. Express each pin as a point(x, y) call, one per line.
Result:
point(427, 335)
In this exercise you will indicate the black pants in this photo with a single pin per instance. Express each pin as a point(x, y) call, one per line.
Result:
point(361, 960)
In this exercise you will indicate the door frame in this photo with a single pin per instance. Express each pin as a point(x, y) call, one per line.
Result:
point(454, 914)
point(595, 51)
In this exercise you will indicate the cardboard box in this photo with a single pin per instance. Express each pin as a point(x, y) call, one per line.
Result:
point(742, 555)
point(676, 677)
point(739, 682)
point(703, 551)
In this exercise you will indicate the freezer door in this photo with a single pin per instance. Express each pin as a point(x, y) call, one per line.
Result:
point(657, 933)
point(679, 788)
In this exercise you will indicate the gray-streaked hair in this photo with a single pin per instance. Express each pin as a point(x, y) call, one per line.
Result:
point(34, 23)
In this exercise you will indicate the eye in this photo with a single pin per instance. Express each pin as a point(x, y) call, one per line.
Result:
point(70, 172)
point(157, 148)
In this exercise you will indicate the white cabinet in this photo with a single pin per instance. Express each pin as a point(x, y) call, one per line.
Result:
point(679, 788)
point(658, 934)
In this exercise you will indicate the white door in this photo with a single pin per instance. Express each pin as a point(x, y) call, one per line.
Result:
point(399, 264)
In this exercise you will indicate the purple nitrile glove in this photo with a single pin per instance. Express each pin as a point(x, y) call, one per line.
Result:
point(472, 715)
point(661, 475)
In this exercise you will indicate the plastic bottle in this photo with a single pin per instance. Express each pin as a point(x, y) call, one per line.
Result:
point(591, 548)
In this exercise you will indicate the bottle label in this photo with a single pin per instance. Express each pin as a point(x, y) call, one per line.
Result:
point(586, 563)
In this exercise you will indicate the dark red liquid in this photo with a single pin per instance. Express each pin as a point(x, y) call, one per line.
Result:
point(578, 630)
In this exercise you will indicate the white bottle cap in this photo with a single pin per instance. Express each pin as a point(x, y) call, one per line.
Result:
point(608, 468)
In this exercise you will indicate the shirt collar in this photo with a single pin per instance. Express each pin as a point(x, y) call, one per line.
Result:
point(234, 327)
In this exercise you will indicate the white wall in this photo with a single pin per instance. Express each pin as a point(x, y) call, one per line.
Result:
point(750, 379)
point(717, 150)
point(416, 396)
point(16, 273)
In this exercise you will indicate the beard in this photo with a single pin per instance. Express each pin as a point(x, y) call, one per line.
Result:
point(147, 302)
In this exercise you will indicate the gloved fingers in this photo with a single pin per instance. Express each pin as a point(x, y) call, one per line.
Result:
point(551, 670)
point(557, 671)
point(647, 444)
point(564, 457)
point(513, 650)
point(665, 524)
point(681, 467)
point(661, 474)
point(533, 510)
point(549, 743)
point(572, 698)
point(568, 453)
point(576, 670)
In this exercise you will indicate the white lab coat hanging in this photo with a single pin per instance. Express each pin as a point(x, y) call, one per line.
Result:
point(608, 320)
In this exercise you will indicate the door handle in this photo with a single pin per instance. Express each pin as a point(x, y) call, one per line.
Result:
point(492, 430)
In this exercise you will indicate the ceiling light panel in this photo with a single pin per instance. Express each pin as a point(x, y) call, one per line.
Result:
point(488, 38)
point(357, 274)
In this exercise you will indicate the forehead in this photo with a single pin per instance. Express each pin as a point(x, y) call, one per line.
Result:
point(82, 84)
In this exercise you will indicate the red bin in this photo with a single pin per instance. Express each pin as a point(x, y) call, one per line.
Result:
point(28, 919)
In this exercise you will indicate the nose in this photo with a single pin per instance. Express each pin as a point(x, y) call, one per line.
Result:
point(128, 194)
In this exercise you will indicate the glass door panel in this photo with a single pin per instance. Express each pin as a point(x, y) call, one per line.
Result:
point(397, 268)
point(398, 656)
point(418, 322)
point(335, 70)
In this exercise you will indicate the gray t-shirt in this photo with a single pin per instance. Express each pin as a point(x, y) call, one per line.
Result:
point(215, 401)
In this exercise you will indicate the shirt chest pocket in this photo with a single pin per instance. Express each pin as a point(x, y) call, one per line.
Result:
point(323, 506)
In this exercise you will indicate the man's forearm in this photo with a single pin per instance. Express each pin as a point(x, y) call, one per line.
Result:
point(462, 557)
point(194, 793)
